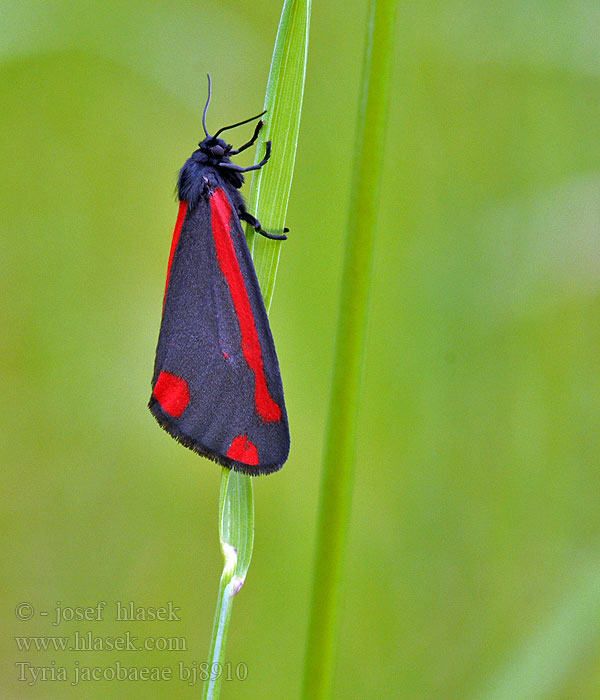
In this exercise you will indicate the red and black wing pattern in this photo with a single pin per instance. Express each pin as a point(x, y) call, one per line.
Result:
point(217, 386)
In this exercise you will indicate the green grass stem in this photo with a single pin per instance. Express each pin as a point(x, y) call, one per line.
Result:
point(236, 535)
point(338, 472)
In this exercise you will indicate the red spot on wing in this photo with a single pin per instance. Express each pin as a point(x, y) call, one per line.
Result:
point(172, 393)
point(178, 224)
point(220, 208)
point(242, 450)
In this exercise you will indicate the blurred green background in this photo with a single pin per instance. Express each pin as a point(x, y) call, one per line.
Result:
point(474, 563)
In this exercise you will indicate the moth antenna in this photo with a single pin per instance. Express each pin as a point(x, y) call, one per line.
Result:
point(232, 126)
point(206, 107)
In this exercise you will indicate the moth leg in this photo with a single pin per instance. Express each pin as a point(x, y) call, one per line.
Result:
point(207, 185)
point(245, 215)
point(259, 126)
point(258, 166)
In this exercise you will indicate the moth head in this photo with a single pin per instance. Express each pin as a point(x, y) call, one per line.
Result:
point(215, 148)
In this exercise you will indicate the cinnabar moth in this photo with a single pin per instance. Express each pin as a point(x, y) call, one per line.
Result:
point(216, 386)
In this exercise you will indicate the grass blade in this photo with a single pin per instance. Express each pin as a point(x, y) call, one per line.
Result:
point(338, 473)
point(271, 186)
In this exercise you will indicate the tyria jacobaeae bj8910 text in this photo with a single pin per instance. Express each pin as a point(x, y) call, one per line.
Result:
point(216, 386)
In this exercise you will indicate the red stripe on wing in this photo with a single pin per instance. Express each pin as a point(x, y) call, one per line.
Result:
point(178, 224)
point(220, 208)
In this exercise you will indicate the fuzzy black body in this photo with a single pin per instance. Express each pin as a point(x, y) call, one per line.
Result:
point(201, 173)
point(217, 385)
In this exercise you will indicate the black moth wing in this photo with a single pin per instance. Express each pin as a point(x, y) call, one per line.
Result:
point(200, 343)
